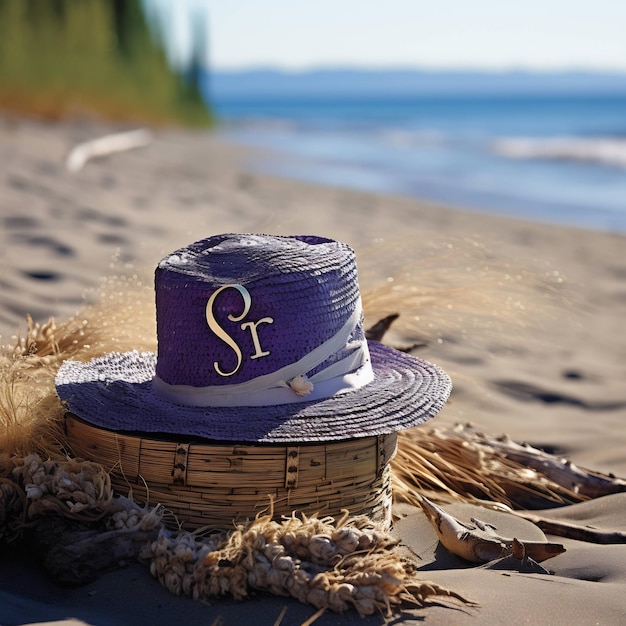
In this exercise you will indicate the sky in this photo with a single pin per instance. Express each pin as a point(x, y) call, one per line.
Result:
point(494, 35)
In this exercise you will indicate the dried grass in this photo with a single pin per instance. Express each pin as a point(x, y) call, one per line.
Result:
point(30, 410)
point(458, 464)
point(455, 290)
point(327, 563)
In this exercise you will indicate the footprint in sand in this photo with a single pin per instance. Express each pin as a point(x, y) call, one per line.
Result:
point(43, 275)
point(529, 392)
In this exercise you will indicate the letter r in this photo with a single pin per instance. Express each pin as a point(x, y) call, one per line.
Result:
point(255, 335)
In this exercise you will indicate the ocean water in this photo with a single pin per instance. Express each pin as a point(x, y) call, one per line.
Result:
point(558, 159)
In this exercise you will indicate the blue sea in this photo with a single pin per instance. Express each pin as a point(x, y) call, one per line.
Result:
point(558, 159)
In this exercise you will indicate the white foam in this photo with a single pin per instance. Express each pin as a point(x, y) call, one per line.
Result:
point(603, 150)
point(407, 138)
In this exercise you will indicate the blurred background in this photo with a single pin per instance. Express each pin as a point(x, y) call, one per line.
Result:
point(500, 108)
point(514, 108)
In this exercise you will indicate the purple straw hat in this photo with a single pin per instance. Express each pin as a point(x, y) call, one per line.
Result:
point(260, 339)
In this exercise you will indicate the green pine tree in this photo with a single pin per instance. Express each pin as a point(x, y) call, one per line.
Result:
point(98, 57)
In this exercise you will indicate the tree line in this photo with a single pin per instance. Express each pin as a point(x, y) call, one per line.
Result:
point(62, 58)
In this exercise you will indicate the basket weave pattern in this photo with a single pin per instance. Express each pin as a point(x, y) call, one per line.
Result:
point(207, 484)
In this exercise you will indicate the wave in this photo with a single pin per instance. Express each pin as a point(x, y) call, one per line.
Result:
point(401, 138)
point(602, 150)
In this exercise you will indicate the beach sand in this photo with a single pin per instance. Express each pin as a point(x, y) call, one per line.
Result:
point(527, 318)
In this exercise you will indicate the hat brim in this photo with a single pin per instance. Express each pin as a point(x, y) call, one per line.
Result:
point(115, 392)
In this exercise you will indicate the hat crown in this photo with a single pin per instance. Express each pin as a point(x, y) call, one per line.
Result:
point(232, 308)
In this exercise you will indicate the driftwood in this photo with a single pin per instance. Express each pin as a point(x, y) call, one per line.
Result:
point(573, 531)
point(75, 554)
point(518, 560)
point(479, 543)
point(103, 146)
point(586, 483)
point(378, 330)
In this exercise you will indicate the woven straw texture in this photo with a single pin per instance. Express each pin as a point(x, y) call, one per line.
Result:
point(115, 392)
point(306, 285)
point(215, 485)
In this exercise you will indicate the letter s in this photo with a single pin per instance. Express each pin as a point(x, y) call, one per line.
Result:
point(219, 331)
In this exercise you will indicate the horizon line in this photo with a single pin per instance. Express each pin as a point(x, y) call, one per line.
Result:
point(513, 69)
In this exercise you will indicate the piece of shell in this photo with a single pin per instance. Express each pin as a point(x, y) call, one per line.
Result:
point(480, 543)
point(301, 385)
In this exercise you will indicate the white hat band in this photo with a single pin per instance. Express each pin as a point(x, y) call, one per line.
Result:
point(288, 384)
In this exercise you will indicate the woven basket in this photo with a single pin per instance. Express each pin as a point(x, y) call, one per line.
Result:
point(215, 485)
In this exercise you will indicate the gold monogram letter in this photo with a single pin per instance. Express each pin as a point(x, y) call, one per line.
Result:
point(255, 336)
point(225, 337)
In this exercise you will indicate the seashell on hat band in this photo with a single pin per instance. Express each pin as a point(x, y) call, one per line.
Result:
point(260, 339)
